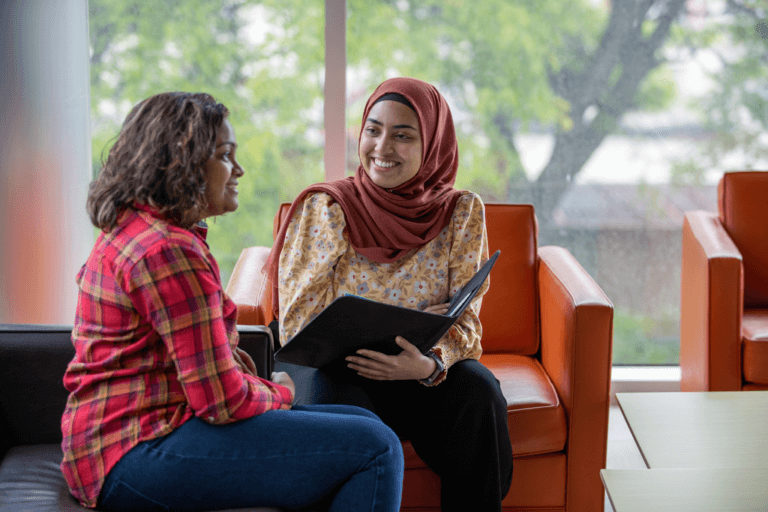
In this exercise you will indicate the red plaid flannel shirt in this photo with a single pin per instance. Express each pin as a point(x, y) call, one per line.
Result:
point(154, 334)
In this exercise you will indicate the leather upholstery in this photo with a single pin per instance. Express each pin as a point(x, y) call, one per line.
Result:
point(512, 294)
point(249, 284)
point(547, 337)
point(33, 359)
point(723, 320)
point(743, 205)
point(710, 306)
point(755, 351)
point(536, 416)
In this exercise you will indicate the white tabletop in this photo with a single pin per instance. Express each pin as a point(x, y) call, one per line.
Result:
point(687, 490)
point(699, 430)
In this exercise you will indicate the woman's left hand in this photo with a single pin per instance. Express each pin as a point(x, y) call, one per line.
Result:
point(244, 361)
point(408, 364)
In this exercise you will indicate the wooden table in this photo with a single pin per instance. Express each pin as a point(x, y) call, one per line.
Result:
point(699, 430)
point(687, 490)
point(706, 452)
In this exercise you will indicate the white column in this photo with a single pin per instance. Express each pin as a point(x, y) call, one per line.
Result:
point(45, 158)
point(335, 88)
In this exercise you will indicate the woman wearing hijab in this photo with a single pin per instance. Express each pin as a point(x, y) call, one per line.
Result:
point(399, 233)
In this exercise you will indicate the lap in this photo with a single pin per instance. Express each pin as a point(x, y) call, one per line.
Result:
point(263, 457)
point(403, 405)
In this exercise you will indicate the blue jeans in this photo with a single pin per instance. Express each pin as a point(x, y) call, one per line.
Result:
point(328, 456)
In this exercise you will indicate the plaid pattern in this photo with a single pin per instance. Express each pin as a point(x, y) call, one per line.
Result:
point(154, 334)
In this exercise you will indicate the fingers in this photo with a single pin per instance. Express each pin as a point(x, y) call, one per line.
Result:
point(362, 363)
point(370, 368)
point(406, 345)
point(439, 309)
point(375, 356)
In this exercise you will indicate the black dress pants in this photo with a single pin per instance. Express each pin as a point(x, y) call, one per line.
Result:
point(459, 427)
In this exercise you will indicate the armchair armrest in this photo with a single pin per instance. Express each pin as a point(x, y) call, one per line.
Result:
point(249, 288)
point(576, 345)
point(258, 342)
point(712, 303)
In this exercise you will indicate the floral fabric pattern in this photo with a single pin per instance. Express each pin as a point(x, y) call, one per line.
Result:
point(317, 264)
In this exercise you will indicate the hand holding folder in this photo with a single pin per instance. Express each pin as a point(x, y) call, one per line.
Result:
point(350, 323)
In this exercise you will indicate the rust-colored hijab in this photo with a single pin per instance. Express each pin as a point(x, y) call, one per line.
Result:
point(383, 225)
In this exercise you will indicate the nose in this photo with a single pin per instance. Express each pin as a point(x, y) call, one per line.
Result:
point(383, 146)
point(237, 170)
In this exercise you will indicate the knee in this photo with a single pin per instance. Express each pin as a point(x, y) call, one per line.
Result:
point(385, 441)
point(483, 387)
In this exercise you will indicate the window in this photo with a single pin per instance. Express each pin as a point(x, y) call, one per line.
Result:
point(263, 59)
point(612, 118)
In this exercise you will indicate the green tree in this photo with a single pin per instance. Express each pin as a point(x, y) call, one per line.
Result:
point(572, 68)
point(735, 112)
point(143, 48)
point(566, 66)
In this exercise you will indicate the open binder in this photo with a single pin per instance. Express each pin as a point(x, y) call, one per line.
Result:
point(350, 323)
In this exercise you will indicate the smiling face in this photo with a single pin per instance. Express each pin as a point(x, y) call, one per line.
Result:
point(221, 173)
point(390, 144)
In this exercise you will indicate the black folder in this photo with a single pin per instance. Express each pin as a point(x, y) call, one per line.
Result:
point(350, 323)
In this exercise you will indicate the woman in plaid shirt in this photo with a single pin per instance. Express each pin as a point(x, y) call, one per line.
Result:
point(165, 412)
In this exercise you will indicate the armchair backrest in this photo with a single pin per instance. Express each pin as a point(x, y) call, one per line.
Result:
point(510, 312)
point(743, 208)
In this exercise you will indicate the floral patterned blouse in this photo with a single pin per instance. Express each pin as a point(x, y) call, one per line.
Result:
point(317, 264)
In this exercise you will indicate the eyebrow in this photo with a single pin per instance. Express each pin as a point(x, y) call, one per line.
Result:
point(397, 126)
point(228, 142)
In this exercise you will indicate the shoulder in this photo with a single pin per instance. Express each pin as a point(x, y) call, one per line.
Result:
point(318, 207)
point(468, 206)
point(140, 237)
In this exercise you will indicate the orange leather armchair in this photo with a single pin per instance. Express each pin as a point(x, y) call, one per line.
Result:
point(547, 336)
point(724, 309)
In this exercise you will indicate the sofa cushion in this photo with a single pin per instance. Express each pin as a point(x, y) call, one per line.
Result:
point(33, 396)
point(31, 481)
point(754, 332)
point(744, 214)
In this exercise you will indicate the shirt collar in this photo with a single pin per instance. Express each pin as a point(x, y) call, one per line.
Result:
point(200, 229)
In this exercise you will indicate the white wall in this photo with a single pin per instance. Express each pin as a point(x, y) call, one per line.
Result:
point(45, 159)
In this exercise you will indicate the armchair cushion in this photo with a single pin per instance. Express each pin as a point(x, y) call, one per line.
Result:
point(754, 332)
point(743, 204)
point(535, 415)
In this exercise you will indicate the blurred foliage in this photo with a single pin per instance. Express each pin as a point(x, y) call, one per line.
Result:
point(639, 339)
point(735, 112)
point(505, 66)
point(143, 48)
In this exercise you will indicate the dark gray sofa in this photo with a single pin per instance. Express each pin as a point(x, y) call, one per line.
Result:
point(33, 359)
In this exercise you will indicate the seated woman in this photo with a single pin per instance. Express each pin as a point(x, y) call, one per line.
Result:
point(165, 412)
point(399, 233)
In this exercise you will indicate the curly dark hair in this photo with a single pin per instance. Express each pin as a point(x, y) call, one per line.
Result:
point(158, 160)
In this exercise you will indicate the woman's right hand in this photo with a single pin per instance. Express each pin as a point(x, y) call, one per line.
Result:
point(284, 379)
